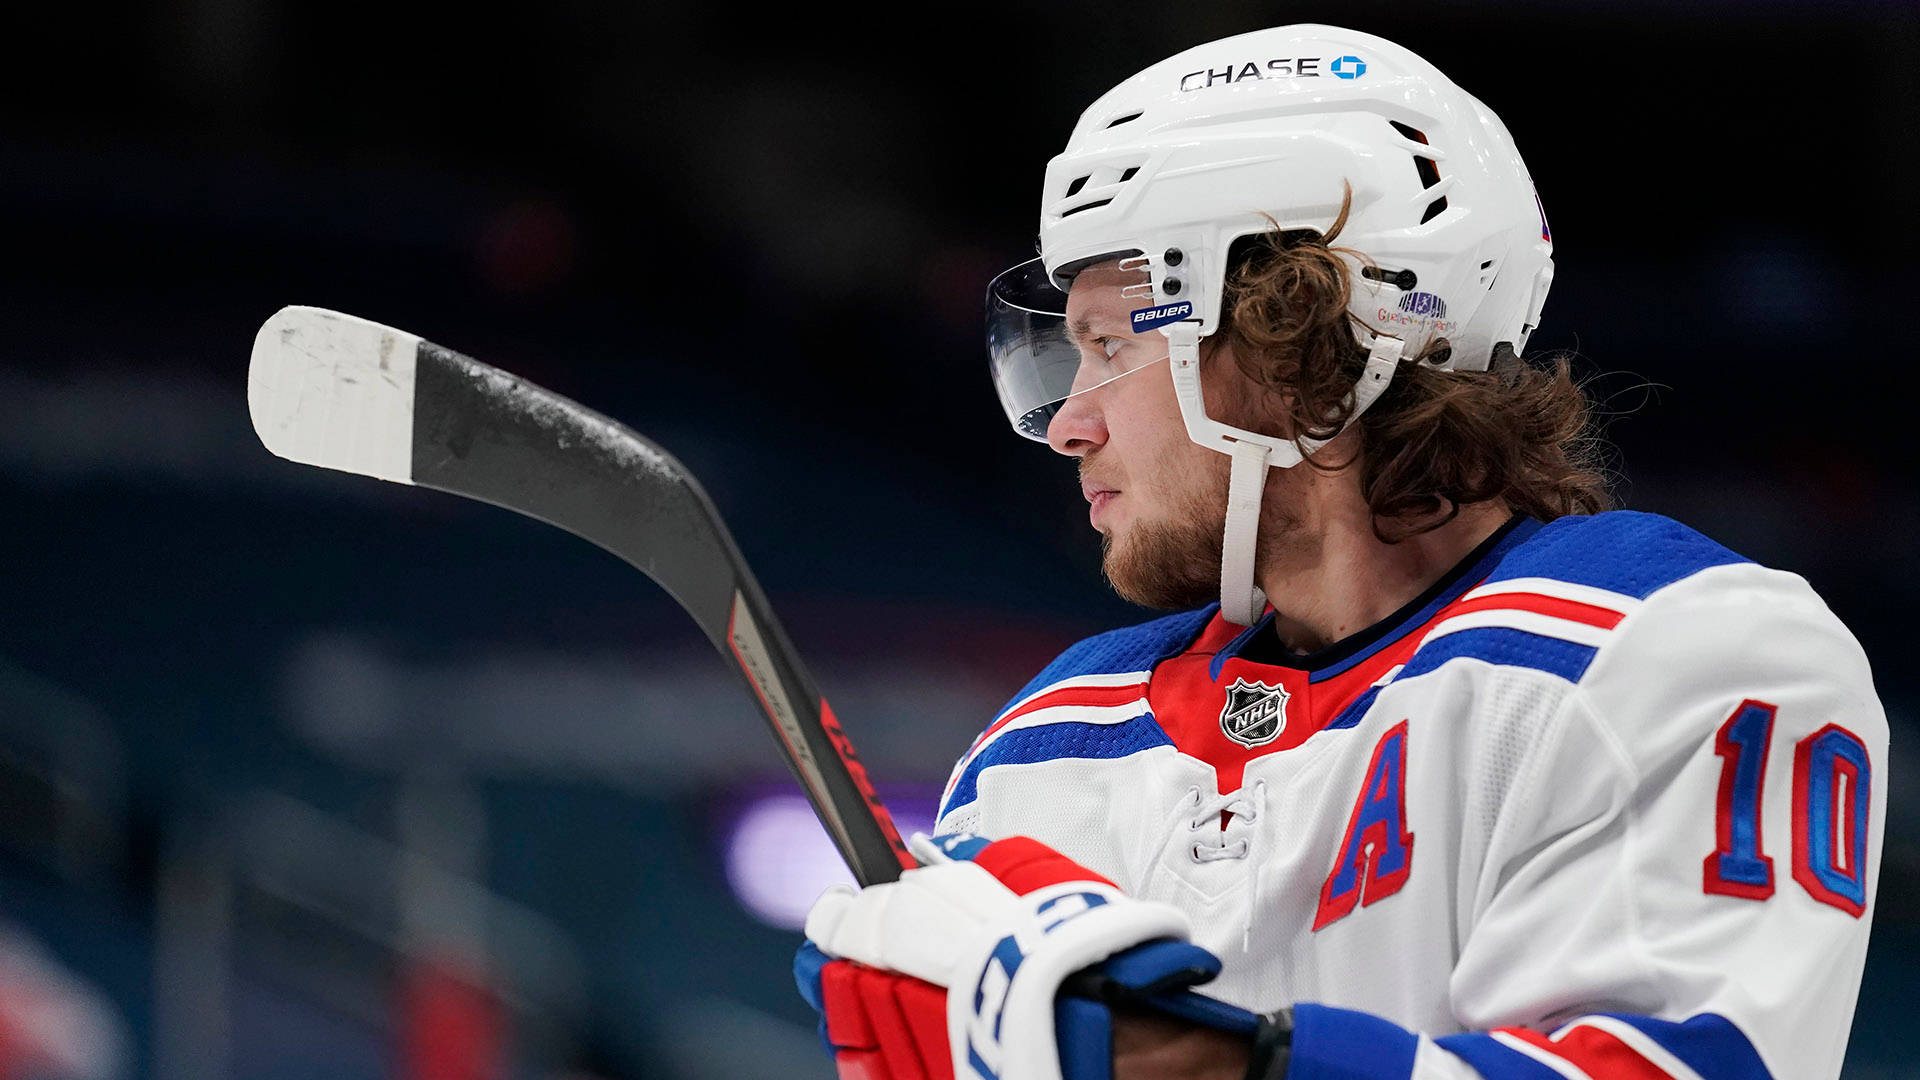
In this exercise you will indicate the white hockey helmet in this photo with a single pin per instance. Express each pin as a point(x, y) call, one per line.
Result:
point(1227, 140)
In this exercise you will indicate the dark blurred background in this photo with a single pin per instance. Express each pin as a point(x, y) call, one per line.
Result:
point(303, 775)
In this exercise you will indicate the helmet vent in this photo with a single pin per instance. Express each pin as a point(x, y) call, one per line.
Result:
point(1101, 184)
point(1488, 272)
point(1427, 169)
point(1399, 279)
point(1085, 206)
point(1124, 118)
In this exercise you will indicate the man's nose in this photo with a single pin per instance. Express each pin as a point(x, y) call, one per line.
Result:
point(1078, 428)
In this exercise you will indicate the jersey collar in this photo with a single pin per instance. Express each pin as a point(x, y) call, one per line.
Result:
point(1260, 644)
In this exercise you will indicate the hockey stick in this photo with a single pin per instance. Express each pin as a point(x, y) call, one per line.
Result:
point(343, 393)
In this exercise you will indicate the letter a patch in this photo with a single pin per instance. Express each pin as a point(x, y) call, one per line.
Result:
point(1377, 852)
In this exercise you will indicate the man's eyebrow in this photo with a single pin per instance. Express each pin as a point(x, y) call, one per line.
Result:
point(1080, 328)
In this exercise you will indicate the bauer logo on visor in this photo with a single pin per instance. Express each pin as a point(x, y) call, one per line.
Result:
point(1147, 318)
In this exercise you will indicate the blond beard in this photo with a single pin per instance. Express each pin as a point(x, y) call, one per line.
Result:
point(1166, 565)
point(1173, 563)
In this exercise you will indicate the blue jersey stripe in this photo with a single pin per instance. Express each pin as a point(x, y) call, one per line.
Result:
point(1494, 1059)
point(1131, 648)
point(1343, 1044)
point(1709, 1044)
point(1621, 551)
point(1026, 746)
point(1506, 647)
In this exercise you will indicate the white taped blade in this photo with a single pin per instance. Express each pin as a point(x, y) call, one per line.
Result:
point(335, 391)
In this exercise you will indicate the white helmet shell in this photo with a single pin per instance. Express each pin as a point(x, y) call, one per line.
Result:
point(1202, 148)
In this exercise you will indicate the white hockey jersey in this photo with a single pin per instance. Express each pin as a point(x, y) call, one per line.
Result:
point(1605, 802)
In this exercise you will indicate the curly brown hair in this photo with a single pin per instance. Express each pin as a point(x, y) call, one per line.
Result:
point(1520, 431)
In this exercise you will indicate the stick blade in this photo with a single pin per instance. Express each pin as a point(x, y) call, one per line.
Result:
point(334, 390)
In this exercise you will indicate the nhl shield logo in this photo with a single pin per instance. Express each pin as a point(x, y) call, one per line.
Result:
point(1255, 713)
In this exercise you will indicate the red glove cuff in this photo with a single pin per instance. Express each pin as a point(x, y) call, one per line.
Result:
point(1024, 864)
point(885, 1026)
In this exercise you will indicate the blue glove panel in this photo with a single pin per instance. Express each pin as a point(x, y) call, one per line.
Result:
point(1084, 1031)
point(1155, 967)
point(1155, 975)
point(807, 964)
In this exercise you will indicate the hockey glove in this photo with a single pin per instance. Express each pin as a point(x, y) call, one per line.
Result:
point(996, 960)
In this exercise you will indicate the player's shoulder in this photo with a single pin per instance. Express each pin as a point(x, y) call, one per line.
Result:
point(1663, 631)
point(1621, 552)
point(1122, 653)
point(1560, 597)
point(1704, 637)
point(1649, 569)
point(1668, 611)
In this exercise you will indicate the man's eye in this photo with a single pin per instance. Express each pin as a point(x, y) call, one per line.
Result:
point(1108, 345)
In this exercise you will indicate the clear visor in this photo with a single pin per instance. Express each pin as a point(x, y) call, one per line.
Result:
point(1037, 363)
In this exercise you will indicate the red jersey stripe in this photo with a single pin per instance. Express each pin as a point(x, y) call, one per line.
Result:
point(1595, 1052)
point(1091, 696)
point(1570, 610)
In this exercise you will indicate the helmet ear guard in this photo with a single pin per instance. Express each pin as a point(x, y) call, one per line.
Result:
point(1169, 168)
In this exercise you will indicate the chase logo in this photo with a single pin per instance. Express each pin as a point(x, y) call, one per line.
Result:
point(1147, 318)
point(1283, 67)
point(1348, 67)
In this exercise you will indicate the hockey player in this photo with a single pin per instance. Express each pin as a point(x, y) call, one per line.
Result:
point(1460, 776)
